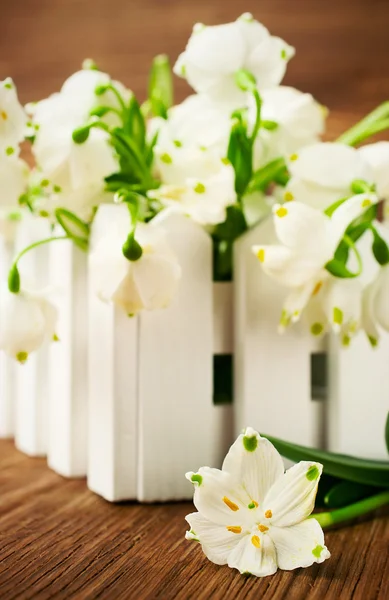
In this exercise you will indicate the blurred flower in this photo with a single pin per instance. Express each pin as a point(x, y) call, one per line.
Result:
point(13, 119)
point(375, 305)
point(13, 183)
point(377, 156)
point(252, 515)
point(298, 121)
point(27, 320)
point(214, 54)
point(148, 283)
point(323, 173)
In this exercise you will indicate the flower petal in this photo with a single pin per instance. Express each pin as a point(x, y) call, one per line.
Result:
point(312, 194)
point(255, 554)
point(292, 498)
point(347, 212)
point(303, 229)
point(297, 300)
point(217, 541)
point(300, 545)
point(285, 267)
point(377, 155)
point(156, 279)
point(255, 462)
point(342, 303)
point(219, 497)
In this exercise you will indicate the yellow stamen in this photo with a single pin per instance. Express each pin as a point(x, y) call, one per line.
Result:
point(261, 255)
point(268, 514)
point(256, 541)
point(281, 212)
point(234, 529)
point(263, 528)
point(366, 203)
point(293, 157)
point(230, 504)
point(3, 115)
point(317, 288)
point(288, 197)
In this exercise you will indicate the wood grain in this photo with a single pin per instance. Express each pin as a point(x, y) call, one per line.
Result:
point(58, 540)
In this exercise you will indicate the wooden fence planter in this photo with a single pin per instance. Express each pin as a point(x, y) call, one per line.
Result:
point(32, 378)
point(68, 390)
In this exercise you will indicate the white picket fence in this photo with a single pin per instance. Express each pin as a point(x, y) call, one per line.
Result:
point(128, 402)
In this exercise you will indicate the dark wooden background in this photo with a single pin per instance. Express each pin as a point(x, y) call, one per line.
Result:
point(342, 45)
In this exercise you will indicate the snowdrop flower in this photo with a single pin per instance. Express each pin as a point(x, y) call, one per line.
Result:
point(63, 163)
point(323, 173)
point(214, 54)
point(198, 183)
point(252, 515)
point(27, 320)
point(309, 239)
point(375, 306)
point(13, 119)
point(377, 156)
point(198, 122)
point(299, 119)
point(13, 183)
point(149, 283)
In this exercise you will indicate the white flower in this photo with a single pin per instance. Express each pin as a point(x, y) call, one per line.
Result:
point(300, 122)
point(201, 188)
point(252, 515)
point(13, 183)
point(323, 173)
point(27, 320)
point(13, 119)
point(375, 306)
point(149, 283)
point(377, 156)
point(198, 122)
point(214, 54)
point(64, 164)
point(309, 239)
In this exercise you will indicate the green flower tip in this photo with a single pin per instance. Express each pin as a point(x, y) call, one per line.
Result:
point(196, 479)
point(313, 473)
point(8, 85)
point(14, 216)
point(199, 188)
point(251, 505)
point(45, 183)
point(89, 64)
point(316, 328)
point(9, 151)
point(55, 338)
point(250, 443)
point(317, 551)
point(177, 143)
point(101, 89)
point(166, 158)
point(346, 340)
point(284, 54)
point(337, 316)
point(57, 189)
point(22, 357)
point(373, 341)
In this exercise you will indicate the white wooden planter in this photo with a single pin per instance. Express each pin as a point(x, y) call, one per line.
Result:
point(32, 378)
point(68, 392)
point(152, 416)
point(7, 380)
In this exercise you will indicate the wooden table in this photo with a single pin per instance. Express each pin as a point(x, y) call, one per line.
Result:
point(59, 540)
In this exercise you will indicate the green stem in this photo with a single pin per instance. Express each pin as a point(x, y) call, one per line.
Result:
point(352, 246)
point(118, 96)
point(14, 277)
point(257, 124)
point(326, 519)
point(366, 127)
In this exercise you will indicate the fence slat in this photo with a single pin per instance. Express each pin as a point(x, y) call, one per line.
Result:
point(67, 449)
point(358, 397)
point(112, 386)
point(177, 420)
point(272, 371)
point(7, 364)
point(32, 378)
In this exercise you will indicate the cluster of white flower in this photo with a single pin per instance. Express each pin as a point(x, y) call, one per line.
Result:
point(241, 143)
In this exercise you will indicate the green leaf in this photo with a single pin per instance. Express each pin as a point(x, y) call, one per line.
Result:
point(233, 226)
point(134, 124)
point(380, 248)
point(240, 155)
point(359, 470)
point(387, 433)
point(160, 86)
point(347, 492)
point(264, 176)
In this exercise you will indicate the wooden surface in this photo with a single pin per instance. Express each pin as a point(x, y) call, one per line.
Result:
point(58, 540)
